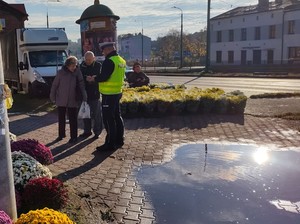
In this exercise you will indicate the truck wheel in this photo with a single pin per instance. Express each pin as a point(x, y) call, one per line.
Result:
point(14, 91)
point(30, 91)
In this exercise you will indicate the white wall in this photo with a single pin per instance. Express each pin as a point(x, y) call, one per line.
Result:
point(250, 21)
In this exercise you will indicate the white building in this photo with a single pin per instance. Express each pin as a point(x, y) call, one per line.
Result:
point(135, 47)
point(260, 35)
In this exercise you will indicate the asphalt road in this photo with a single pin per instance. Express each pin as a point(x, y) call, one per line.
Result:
point(249, 86)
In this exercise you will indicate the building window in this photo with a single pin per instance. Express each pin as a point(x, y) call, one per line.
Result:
point(230, 57)
point(270, 59)
point(231, 36)
point(291, 27)
point(219, 57)
point(219, 36)
point(257, 33)
point(272, 32)
point(256, 57)
point(294, 54)
point(243, 57)
point(244, 34)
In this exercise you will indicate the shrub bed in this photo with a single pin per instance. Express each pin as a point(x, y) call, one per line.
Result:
point(161, 100)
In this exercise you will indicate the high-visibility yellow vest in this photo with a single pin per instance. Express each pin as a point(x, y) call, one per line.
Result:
point(115, 82)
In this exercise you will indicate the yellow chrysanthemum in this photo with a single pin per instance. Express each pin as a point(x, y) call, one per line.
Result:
point(44, 216)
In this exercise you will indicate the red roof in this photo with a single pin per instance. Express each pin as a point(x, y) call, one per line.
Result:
point(19, 7)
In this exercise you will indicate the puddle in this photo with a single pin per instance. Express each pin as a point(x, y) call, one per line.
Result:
point(215, 183)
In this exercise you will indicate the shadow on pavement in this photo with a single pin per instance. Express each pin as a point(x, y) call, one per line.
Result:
point(68, 149)
point(197, 121)
point(99, 157)
point(31, 122)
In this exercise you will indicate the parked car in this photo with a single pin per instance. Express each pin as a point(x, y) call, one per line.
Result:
point(128, 71)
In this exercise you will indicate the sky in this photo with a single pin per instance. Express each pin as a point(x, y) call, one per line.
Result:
point(154, 17)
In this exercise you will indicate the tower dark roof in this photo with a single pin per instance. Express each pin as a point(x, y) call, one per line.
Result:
point(97, 10)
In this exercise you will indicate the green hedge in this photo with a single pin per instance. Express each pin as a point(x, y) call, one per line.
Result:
point(164, 99)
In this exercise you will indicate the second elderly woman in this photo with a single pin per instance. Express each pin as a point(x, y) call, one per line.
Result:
point(63, 94)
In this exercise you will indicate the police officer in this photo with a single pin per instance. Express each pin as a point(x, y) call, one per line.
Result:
point(111, 82)
point(90, 69)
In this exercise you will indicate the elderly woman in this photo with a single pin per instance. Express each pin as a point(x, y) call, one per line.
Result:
point(63, 93)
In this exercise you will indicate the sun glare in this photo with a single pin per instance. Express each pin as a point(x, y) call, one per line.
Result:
point(260, 156)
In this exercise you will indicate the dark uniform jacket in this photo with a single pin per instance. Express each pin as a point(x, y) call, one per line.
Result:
point(108, 67)
point(94, 69)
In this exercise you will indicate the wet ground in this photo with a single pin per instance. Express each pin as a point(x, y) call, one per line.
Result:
point(208, 184)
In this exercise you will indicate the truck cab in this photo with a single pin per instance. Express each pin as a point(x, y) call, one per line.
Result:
point(41, 53)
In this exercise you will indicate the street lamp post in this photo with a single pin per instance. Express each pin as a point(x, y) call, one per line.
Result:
point(47, 10)
point(47, 15)
point(142, 44)
point(207, 61)
point(181, 34)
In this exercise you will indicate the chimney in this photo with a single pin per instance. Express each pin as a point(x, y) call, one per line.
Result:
point(263, 4)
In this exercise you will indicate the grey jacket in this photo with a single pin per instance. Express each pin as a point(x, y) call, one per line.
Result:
point(63, 90)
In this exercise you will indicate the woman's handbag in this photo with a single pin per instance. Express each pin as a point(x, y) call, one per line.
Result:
point(84, 111)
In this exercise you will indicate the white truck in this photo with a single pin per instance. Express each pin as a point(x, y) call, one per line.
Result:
point(31, 58)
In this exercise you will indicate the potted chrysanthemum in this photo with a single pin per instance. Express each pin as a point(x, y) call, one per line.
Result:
point(192, 98)
point(178, 103)
point(44, 192)
point(34, 148)
point(26, 168)
point(44, 215)
point(4, 218)
point(237, 102)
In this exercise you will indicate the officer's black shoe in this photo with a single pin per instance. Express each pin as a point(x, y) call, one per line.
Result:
point(95, 137)
point(85, 135)
point(119, 144)
point(72, 140)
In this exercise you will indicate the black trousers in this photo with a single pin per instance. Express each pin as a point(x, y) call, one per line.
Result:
point(72, 114)
point(112, 119)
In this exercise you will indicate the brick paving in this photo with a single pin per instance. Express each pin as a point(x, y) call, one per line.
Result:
point(108, 177)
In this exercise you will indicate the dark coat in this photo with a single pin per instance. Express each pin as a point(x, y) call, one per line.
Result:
point(137, 79)
point(63, 90)
point(91, 88)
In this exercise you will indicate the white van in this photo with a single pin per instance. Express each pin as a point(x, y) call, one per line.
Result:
point(40, 53)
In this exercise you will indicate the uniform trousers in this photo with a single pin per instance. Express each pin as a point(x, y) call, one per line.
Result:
point(112, 119)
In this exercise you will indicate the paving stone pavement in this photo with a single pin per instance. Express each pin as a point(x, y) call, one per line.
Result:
point(108, 176)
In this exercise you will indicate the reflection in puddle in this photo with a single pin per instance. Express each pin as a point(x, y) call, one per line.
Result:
point(214, 183)
point(287, 205)
point(260, 156)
